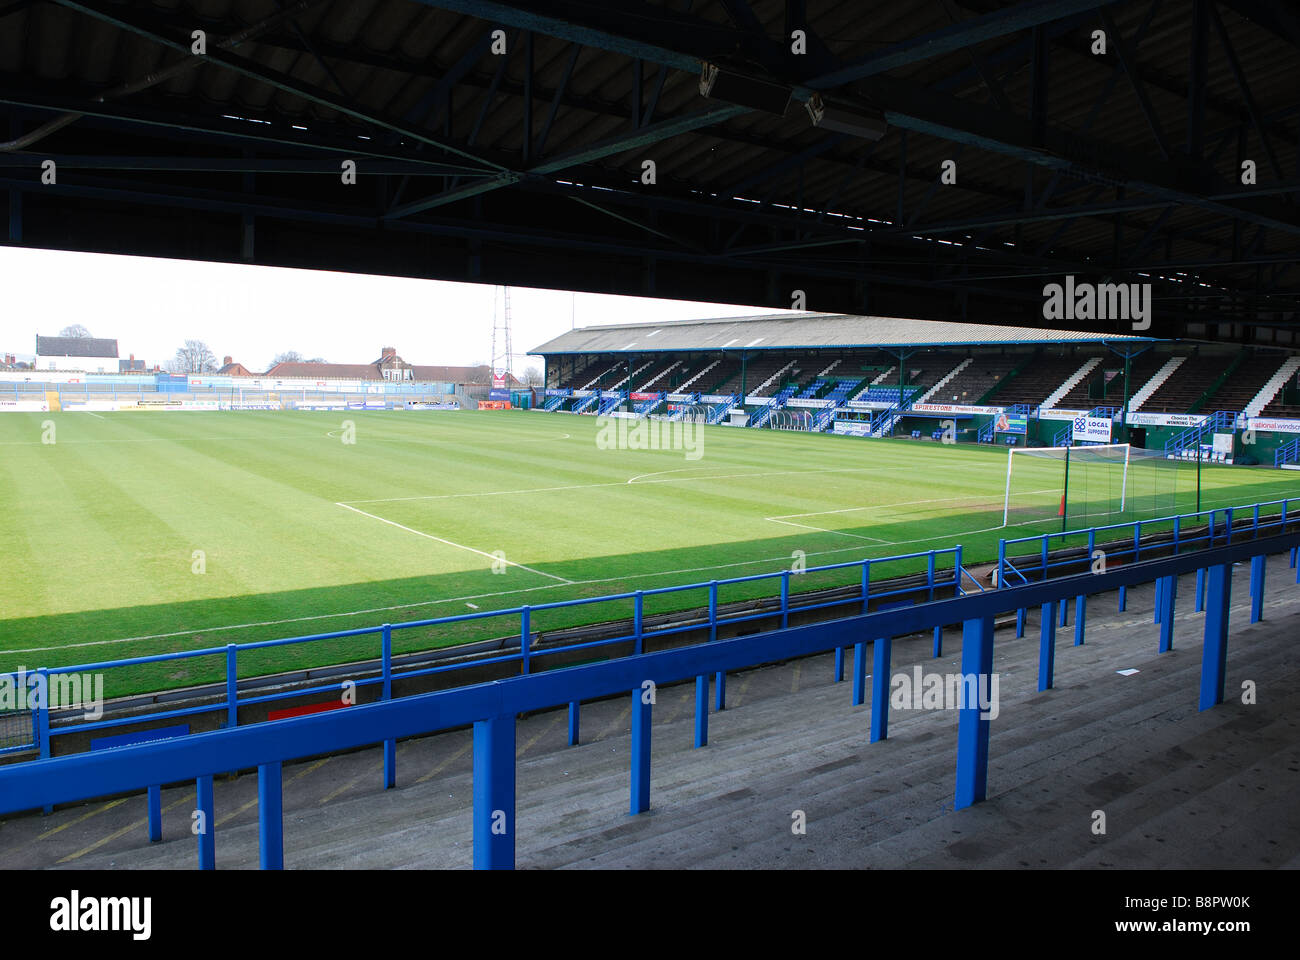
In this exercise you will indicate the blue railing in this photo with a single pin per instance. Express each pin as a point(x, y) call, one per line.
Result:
point(1192, 436)
point(1287, 453)
point(584, 404)
point(492, 708)
point(1030, 558)
point(610, 401)
point(518, 648)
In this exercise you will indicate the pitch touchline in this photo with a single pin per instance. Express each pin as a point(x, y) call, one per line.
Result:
point(452, 543)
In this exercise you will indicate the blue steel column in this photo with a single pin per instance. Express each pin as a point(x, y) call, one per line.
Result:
point(574, 708)
point(1167, 596)
point(640, 786)
point(1257, 570)
point(839, 664)
point(1214, 654)
point(1079, 615)
point(1047, 646)
point(270, 816)
point(1200, 590)
point(494, 793)
point(155, 813)
point(390, 746)
point(972, 728)
point(208, 835)
point(859, 673)
point(702, 711)
point(880, 688)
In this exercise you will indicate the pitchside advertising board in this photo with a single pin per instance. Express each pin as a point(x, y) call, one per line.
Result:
point(853, 428)
point(1092, 429)
point(27, 406)
point(1269, 425)
point(1009, 424)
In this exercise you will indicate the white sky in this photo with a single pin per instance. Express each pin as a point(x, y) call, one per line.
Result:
point(251, 313)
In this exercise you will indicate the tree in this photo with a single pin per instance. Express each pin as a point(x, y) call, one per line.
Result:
point(193, 357)
point(533, 377)
point(288, 356)
point(75, 330)
point(317, 360)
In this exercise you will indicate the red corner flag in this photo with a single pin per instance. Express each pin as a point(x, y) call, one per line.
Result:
point(1061, 511)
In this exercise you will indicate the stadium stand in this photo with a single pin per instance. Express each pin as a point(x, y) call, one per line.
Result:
point(1185, 385)
point(1105, 382)
point(1036, 379)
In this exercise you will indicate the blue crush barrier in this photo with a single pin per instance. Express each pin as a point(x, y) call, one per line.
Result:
point(491, 708)
point(941, 569)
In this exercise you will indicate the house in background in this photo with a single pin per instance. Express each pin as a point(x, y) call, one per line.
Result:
point(231, 369)
point(390, 367)
point(87, 354)
point(131, 365)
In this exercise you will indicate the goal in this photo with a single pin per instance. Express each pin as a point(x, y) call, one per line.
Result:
point(1087, 485)
point(1095, 485)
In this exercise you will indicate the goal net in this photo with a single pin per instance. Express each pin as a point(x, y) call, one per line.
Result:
point(1069, 488)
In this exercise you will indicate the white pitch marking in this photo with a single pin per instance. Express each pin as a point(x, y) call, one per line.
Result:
point(93, 414)
point(452, 543)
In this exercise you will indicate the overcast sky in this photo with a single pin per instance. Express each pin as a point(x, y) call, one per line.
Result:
point(252, 313)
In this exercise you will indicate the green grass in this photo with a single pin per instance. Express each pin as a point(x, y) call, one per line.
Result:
point(98, 531)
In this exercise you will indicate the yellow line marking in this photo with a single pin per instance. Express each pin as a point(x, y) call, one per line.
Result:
point(440, 767)
point(617, 724)
point(188, 798)
point(353, 782)
point(559, 715)
point(740, 694)
point(85, 816)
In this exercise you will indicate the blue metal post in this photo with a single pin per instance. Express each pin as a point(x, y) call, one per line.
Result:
point(1214, 653)
point(972, 725)
point(785, 599)
point(1123, 598)
point(494, 793)
point(1200, 589)
point(880, 688)
point(1167, 596)
point(720, 691)
point(1020, 622)
point(938, 640)
point(839, 664)
point(702, 711)
point(640, 787)
point(232, 687)
point(866, 584)
point(525, 634)
point(207, 824)
point(41, 720)
point(638, 610)
point(573, 722)
point(270, 816)
point(1065, 609)
point(1155, 612)
point(390, 746)
point(859, 673)
point(1047, 646)
point(155, 813)
point(1079, 614)
point(713, 609)
point(1257, 569)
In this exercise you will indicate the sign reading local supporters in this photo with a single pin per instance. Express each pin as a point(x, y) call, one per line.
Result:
point(1092, 429)
point(954, 408)
point(1273, 426)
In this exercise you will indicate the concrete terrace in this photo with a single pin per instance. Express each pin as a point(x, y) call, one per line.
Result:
point(1179, 788)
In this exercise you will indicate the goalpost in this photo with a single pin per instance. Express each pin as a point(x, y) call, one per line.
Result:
point(1040, 482)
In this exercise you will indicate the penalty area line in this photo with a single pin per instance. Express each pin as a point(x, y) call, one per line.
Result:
point(452, 543)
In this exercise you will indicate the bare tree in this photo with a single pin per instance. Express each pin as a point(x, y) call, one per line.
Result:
point(193, 357)
point(75, 330)
point(288, 356)
point(533, 377)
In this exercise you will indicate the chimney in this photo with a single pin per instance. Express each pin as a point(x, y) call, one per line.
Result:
point(226, 362)
point(388, 352)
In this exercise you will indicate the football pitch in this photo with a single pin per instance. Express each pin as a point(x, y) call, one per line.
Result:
point(132, 534)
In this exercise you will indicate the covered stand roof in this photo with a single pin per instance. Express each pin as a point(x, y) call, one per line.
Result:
point(794, 331)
